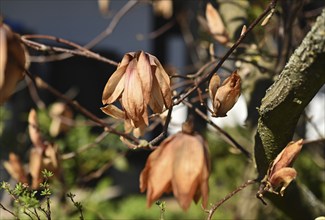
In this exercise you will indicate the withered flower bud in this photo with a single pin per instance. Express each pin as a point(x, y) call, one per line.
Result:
point(225, 96)
point(61, 115)
point(280, 172)
point(139, 81)
point(13, 60)
point(43, 155)
point(181, 165)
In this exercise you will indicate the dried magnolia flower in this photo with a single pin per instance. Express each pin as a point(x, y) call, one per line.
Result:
point(181, 165)
point(215, 24)
point(139, 81)
point(15, 168)
point(13, 60)
point(280, 172)
point(225, 96)
point(43, 155)
point(61, 115)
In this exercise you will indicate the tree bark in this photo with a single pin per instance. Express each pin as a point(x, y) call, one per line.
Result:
point(280, 110)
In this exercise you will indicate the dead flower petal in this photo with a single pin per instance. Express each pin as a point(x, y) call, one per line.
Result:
point(15, 168)
point(282, 178)
point(13, 62)
point(113, 111)
point(214, 85)
point(145, 75)
point(287, 156)
point(216, 25)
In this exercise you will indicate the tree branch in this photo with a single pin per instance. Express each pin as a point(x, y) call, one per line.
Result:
point(282, 106)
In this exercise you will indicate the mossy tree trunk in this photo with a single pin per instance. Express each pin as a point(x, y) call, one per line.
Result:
point(280, 110)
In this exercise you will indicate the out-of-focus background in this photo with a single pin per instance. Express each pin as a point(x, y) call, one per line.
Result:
point(105, 177)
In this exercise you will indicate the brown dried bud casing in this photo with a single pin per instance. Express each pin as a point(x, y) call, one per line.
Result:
point(181, 165)
point(225, 96)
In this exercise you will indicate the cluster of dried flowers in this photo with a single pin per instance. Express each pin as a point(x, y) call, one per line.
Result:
point(180, 164)
point(43, 155)
point(13, 61)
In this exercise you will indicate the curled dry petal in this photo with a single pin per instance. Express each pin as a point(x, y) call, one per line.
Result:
point(286, 157)
point(282, 178)
point(215, 24)
point(180, 164)
point(13, 61)
point(214, 84)
point(226, 95)
point(280, 172)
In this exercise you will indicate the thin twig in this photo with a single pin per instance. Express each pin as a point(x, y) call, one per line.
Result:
point(80, 51)
point(110, 28)
point(81, 149)
point(209, 74)
point(225, 135)
point(164, 132)
point(216, 206)
point(43, 85)
point(7, 210)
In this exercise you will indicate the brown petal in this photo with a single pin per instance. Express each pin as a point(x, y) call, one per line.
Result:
point(157, 174)
point(164, 82)
point(282, 178)
point(113, 111)
point(132, 97)
point(287, 156)
point(15, 168)
point(156, 102)
point(35, 166)
point(187, 169)
point(214, 85)
point(34, 133)
point(114, 86)
point(216, 25)
point(145, 75)
point(227, 95)
point(12, 64)
point(3, 55)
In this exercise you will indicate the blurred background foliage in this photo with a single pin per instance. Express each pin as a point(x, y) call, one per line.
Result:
point(105, 174)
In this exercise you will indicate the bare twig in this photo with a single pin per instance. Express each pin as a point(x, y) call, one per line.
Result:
point(164, 132)
point(80, 51)
point(112, 25)
point(7, 210)
point(209, 74)
point(223, 133)
point(85, 147)
point(216, 206)
point(43, 85)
